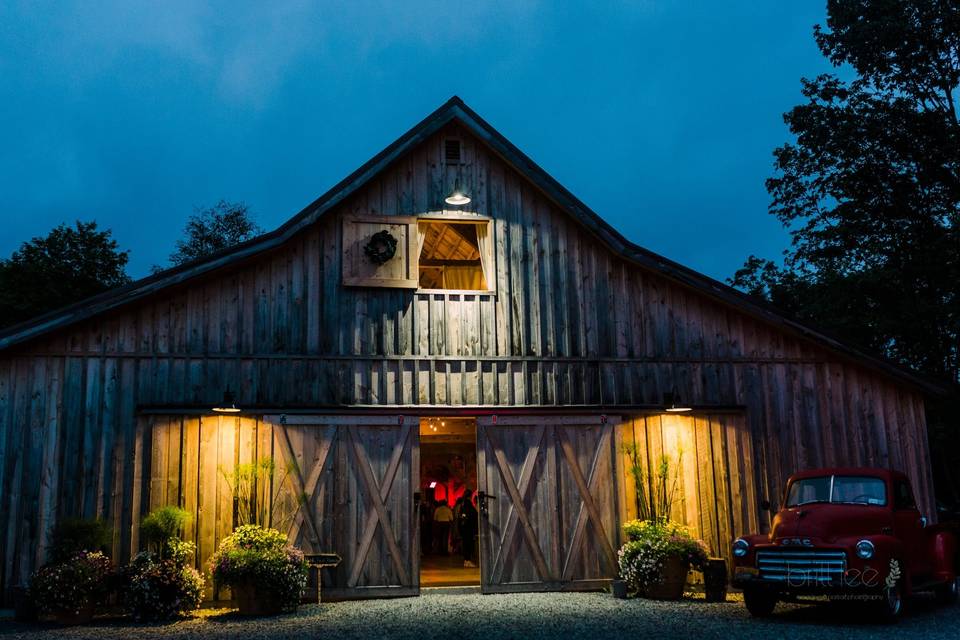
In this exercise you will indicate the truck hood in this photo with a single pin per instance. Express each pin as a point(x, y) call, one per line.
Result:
point(827, 523)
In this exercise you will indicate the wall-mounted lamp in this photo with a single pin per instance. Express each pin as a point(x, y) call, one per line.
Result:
point(673, 404)
point(457, 196)
point(229, 404)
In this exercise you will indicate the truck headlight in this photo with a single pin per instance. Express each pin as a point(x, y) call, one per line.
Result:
point(740, 547)
point(865, 549)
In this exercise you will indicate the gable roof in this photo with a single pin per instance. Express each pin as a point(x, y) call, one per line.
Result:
point(453, 109)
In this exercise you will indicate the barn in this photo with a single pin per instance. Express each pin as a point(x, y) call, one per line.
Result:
point(446, 317)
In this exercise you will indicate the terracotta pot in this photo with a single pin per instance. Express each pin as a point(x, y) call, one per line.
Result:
point(673, 575)
point(71, 617)
point(252, 603)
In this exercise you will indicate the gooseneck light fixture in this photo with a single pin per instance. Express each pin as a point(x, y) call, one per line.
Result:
point(673, 403)
point(229, 404)
point(457, 197)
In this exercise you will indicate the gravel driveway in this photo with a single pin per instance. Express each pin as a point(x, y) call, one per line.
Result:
point(528, 616)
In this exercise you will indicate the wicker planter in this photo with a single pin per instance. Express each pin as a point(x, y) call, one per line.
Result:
point(673, 580)
point(251, 602)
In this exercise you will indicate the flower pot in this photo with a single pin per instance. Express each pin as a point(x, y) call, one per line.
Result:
point(71, 617)
point(24, 608)
point(619, 589)
point(715, 580)
point(673, 578)
point(251, 602)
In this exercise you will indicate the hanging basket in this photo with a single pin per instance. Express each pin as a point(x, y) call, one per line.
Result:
point(381, 247)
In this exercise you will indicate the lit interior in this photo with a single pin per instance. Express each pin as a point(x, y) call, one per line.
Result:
point(452, 255)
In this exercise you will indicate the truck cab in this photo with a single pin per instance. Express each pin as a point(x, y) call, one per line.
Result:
point(846, 532)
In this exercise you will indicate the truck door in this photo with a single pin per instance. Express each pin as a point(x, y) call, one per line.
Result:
point(909, 527)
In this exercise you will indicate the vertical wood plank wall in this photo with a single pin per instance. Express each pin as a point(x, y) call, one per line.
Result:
point(712, 467)
point(571, 324)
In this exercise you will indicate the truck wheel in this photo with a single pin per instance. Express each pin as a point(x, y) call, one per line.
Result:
point(760, 602)
point(891, 602)
point(947, 593)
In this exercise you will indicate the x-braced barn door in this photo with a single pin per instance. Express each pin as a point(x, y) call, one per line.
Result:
point(548, 518)
point(355, 478)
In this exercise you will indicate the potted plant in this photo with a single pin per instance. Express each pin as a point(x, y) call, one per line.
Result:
point(67, 592)
point(265, 575)
point(657, 557)
point(159, 584)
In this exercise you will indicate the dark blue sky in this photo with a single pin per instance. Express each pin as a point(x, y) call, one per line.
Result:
point(661, 116)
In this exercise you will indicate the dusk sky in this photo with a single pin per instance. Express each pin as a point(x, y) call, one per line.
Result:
point(660, 116)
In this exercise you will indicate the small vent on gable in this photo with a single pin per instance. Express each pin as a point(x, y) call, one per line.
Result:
point(452, 151)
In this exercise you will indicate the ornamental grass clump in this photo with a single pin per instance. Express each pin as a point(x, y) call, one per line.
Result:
point(160, 584)
point(70, 589)
point(261, 569)
point(652, 544)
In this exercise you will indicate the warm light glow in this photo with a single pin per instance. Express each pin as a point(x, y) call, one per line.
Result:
point(433, 485)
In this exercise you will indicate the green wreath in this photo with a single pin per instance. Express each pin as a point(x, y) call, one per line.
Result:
point(381, 247)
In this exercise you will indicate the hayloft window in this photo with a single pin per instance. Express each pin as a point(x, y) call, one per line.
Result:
point(456, 255)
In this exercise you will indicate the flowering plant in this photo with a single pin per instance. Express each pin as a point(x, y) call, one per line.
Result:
point(650, 543)
point(160, 584)
point(259, 556)
point(159, 589)
point(76, 583)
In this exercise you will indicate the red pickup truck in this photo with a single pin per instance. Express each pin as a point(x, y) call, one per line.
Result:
point(847, 533)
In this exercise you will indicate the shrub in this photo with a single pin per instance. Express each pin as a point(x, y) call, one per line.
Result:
point(71, 585)
point(650, 543)
point(73, 535)
point(260, 556)
point(160, 584)
point(163, 525)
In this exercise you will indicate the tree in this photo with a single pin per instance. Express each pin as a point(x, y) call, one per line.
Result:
point(69, 264)
point(870, 190)
point(214, 228)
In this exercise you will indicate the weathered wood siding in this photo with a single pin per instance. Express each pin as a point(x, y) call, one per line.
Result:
point(571, 323)
point(712, 468)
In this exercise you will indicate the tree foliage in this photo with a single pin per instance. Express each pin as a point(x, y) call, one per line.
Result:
point(214, 228)
point(69, 264)
point(870, 189)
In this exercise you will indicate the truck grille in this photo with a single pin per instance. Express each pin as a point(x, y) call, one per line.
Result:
point(801, 566)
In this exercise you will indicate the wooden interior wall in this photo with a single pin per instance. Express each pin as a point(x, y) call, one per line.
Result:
point(571, 323)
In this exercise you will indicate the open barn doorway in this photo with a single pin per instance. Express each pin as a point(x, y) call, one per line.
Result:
point(447, 509)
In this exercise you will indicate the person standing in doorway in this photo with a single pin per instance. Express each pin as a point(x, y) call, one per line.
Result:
point(442, 520)
point(467, 525)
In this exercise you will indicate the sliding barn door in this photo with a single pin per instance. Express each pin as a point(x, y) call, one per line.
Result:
point(548, 520)
point(353, 479)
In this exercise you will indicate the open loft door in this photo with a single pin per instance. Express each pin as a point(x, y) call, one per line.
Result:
point(354, 478)
point(548, 513)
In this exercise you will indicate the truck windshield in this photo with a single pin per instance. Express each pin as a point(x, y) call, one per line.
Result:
point(837, 489)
